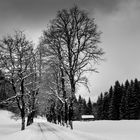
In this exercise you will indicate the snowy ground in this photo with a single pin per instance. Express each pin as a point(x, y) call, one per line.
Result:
point(111, 130)
point(42, 130)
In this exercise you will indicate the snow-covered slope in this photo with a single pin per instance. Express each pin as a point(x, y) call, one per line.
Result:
point(42, 130)
point(5, 117)
point(7, 125)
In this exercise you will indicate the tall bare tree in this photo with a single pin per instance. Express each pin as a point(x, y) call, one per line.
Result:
point(17, 57)
point(73, 38)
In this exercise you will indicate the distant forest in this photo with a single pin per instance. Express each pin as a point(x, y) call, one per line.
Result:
point(122, 101)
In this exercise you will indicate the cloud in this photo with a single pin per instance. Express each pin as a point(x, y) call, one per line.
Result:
point(102, 6)
point(40, 8)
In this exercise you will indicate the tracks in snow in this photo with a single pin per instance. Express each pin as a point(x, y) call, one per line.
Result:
point(48, 132)
point(42, 132)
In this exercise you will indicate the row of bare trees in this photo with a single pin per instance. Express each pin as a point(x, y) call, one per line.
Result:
point(70, 46)
point(67, 50)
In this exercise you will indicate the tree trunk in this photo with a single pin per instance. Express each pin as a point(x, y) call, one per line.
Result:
point(23, 106)
point(71, 101)
point(30, 118)
point(66, 112)
point(71, 115)
point(23, 120)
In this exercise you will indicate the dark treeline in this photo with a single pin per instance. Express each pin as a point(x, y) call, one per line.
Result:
point(82, 107)
point(6, 92)
point(57, 114)
point(122, 101)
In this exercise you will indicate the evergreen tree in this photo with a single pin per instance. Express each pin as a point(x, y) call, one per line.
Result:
point(89, 107)
point(106, 106)
point(123, 104)
point(94, 110)
point(131, 105)
point(127, 84)
point(100, 107)
point(109, 103)
point(115, 102)
point(82, 106)
point(76, 110)
point(127, 98)
point(137, 97)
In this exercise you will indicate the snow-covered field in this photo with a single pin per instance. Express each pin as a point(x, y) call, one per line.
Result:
point(42, 130)
point(111, 130)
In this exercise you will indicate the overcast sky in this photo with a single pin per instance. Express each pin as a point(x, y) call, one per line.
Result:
point(119, 20)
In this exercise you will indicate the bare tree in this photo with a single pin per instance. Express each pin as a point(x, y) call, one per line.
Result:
point(32, 86)
point(55, 81)
point(72, 38)
point(16, 54)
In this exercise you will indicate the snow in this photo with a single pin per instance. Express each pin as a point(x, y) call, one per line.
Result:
point(111, 130)
point(89, 130)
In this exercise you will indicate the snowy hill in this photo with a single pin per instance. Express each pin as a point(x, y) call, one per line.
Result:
point(42, 130)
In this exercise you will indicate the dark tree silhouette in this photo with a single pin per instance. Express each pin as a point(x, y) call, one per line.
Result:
point(121, 102)
point(89, 107)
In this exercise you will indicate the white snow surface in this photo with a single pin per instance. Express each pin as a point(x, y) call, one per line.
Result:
point(90, 130)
